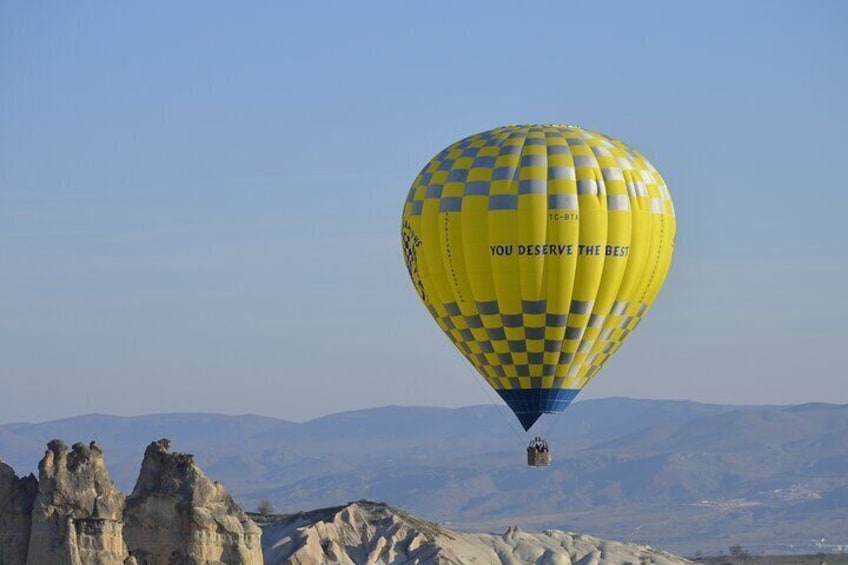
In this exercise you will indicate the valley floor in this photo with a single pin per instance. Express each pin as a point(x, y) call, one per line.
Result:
point(817, 559)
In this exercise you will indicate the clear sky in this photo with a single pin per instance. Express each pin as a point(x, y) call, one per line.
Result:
point(200, 202)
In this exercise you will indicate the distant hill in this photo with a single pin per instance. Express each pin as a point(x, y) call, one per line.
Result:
point(679, 475)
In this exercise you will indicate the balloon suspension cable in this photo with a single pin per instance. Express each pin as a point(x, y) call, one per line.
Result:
point(554, 421)
point(549, 421)
point(507, 416)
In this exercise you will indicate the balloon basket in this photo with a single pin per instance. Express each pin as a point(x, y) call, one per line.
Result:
point(538, 453)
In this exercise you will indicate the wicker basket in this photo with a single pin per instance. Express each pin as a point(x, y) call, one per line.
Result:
point(538, 458)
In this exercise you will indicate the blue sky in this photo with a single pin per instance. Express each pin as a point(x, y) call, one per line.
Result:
point(199, 203)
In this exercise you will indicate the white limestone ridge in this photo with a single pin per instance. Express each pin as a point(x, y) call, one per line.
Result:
point(375, 533)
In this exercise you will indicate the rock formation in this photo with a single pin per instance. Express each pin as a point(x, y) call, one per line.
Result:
point(368, 532)
point(76, 517)
point(16, 499)
point(176, 515)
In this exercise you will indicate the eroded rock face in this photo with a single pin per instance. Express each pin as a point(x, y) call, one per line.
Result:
point(369, 532)
point(177, 516)
point(76, 517)
point(16, 499)
point(361, 532)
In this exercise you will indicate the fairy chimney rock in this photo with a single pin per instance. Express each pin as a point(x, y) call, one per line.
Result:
point(176, 512)
point(16, 499)
point(72, 484)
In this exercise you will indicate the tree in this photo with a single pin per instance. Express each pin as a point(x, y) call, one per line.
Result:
point(739, 553)
point(265, 507)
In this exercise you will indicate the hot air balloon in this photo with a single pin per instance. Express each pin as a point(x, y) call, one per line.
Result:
point(538, 249)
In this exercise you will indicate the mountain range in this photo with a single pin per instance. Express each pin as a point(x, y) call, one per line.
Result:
point(679, 475)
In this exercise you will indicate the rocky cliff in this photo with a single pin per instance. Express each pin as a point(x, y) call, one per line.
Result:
point(369, 532)
point(74, 515)
point(16, 499)
point(175, 514)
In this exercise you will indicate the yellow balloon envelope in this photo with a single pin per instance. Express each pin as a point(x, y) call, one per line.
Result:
point(538, 249)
